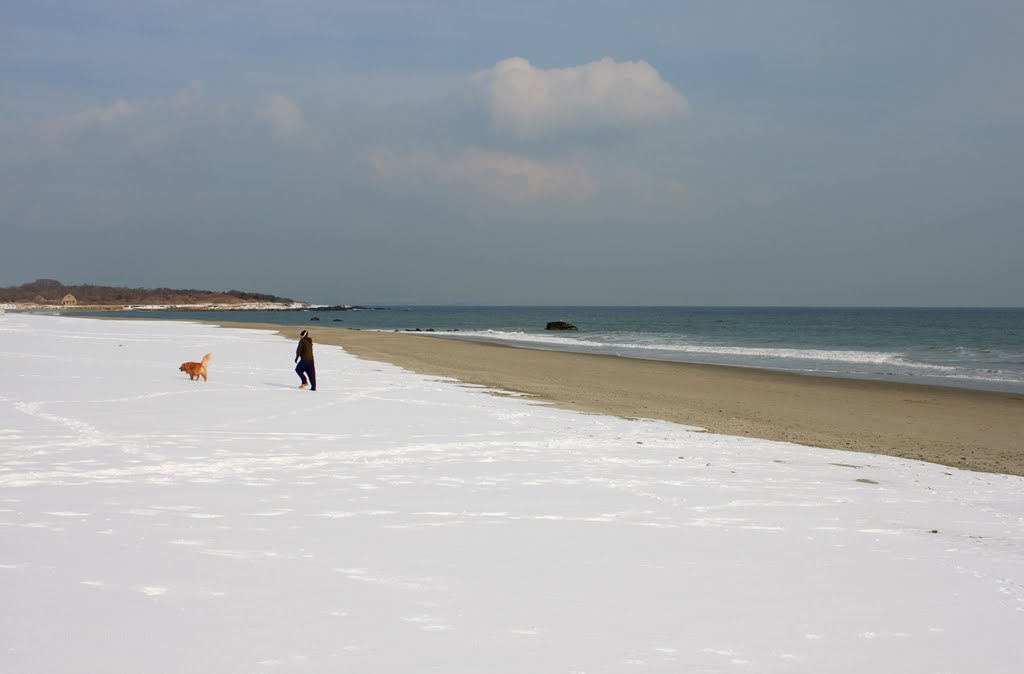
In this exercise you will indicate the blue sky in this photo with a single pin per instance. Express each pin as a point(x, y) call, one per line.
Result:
point(779, 153)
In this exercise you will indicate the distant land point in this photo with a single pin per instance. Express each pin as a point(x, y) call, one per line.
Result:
point(49, 294)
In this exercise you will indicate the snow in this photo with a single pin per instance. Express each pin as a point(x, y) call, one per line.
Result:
point(393, 522)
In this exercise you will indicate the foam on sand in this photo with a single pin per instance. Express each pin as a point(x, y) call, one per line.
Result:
point(392, 522)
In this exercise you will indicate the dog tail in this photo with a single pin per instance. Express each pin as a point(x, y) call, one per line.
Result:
point(206, 359)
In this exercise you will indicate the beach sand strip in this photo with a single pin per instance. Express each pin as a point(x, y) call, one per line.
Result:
point(974, 430)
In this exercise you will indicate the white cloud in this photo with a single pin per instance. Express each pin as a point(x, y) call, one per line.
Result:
point(141, 125)
point(62, 129)
point(506, 177)
point(529, 102)
point(284, 116)
point(148, 126)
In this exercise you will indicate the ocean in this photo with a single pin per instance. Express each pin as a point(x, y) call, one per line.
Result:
point(967, 348)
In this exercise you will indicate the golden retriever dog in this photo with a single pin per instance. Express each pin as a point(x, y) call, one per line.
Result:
point(195, 370)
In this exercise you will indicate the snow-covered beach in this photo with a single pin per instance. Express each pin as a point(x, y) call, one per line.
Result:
point(394, 522)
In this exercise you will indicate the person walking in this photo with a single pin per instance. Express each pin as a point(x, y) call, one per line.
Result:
point(304, 360)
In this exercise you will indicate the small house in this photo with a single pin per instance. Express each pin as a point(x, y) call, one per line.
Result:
point(69, 300)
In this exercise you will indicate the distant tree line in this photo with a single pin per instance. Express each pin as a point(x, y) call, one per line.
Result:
point(52, 291)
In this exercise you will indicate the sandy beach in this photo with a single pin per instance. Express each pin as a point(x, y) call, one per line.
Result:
point(974, 430)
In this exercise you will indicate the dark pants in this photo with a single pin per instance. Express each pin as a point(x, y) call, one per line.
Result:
point(307, 367)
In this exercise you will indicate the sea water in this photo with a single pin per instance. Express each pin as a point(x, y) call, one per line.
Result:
point(969, 348)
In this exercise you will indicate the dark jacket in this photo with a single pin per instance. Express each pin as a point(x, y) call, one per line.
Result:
point(305, 349)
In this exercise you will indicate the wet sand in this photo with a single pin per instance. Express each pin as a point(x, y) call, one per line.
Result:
point(975, 430)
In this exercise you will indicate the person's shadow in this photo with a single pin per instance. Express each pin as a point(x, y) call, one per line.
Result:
point(275, 384)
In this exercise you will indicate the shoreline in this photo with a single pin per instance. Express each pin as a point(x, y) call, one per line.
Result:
point(961, 428)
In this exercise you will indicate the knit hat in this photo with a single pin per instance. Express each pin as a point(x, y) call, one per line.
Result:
point(303, 333)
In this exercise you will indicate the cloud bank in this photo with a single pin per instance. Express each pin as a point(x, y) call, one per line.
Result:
point(137, 125)
point(528, 102)
point(517, 180)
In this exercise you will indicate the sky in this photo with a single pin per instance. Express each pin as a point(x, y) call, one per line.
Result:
point(557, 152)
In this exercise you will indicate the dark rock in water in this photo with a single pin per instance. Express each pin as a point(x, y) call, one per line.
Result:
point(337, 320)
point(560, 325)
point(315, 318)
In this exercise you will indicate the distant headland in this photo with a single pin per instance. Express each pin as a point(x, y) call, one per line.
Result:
point(50, 294)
